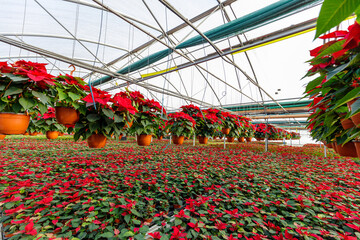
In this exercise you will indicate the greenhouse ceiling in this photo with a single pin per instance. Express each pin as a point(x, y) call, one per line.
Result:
point(172, 51)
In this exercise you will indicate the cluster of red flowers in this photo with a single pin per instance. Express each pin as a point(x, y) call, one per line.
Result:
point(36, 72)
point(180, 116)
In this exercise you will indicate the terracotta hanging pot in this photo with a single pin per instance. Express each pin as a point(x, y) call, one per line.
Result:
point(26, 133)
point(52, 134)
point(178, 140)
point(160, 138)
point(120, 137)
point(347, 150)
point(61, 134)
point(34, 133)
point(96, 140)
point(13, 123)
point(203, 140)
point(248, 139)
point(356, 118)
point(329, 145)
point(334, 147)
point(347, 123)
point(241, 139)
point(225, 131)
point(357, 147)
point(2, 136)
point(144, 140)
point(67, 115)
point(260, 139)
point(230, 139)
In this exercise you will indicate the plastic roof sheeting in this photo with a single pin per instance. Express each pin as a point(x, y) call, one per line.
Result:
point(83, 31)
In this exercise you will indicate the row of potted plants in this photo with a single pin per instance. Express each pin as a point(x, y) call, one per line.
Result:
point(263, 130)
point(335, 90)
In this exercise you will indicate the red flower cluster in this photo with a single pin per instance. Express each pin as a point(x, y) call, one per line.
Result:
point(180, 116)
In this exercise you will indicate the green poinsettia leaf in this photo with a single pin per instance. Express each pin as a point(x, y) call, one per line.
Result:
point(12, 91)
point(27, 103)
point(62, 95)
point(333, 12)
point(43, 98)
point(109, 113)
point(15, 78)
point(93, 117)
point(74, 96)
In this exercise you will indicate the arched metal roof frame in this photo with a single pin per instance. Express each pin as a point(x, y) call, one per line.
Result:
point(127, 78)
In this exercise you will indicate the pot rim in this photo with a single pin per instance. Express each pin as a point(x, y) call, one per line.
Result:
point(14, 113)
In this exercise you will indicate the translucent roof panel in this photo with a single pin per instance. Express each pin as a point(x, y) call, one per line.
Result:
point(109, 35)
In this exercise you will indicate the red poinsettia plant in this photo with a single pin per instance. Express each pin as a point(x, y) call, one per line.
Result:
point(103, 115)
point(336, 66)
point(207, 122)
point(25, 87)
point(69, 92)
point(150, 114)
point(180, 124)
point(262, 131)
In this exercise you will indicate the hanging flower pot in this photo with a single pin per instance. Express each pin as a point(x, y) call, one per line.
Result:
point(335, 147)
point(120, 137)
point(67, 115)
point(347, 150)
point(357, 147)
point(52, 134)
point(248, 139)
point(34, 133)
point(2, 136)
point(61, 134)
point(260, 139)
point(144, 140)
point(230, 139)
point(203, 140)
point(241, 139)
point(26, 133)
point(13, 123)
point(160, 137)
point(178, 140)
point(329, 145)
point(347, 123)
point(356, 118)
point(96, 140)
point(225, 131)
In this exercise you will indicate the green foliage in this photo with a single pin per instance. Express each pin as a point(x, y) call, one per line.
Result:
point(333, 12)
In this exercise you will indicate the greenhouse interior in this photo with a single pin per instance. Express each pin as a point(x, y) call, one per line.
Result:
point(165, 119)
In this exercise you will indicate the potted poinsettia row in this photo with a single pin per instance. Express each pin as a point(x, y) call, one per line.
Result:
point(335, 90)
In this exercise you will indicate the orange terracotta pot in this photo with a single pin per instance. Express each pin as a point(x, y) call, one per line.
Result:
point(34, 133)
point(96, 140)
point(357, 147)
point(178, 140)
point(347, 123)
point(26, 133)
point(347, 150)
point(203, 140)
point(2, 136)
point(260, 139)
point(225, 131)
point(335, 147)
point(230, 139)
point(52, 134)
point(66, 115)
point(61, 134)
point(120, 137)
point(241, 139)
point(13, 123)
point(144, 140)
point(248, 139)
point(329, 145)
point(160, 138)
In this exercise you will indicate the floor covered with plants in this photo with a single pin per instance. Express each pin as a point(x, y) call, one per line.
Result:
point(63, 190)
